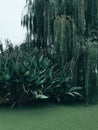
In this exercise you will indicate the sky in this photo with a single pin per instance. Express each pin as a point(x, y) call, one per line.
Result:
point(10, 20)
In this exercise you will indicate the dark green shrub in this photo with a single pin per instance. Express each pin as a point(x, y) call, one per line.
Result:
point(26, 76)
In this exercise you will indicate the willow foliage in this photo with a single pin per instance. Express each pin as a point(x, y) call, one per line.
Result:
point(91, 74)
point(64, 38)
point(61, 29)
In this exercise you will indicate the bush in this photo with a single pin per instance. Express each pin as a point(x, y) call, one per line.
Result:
point(26, 76)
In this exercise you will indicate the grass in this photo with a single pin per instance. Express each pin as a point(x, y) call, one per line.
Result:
point(49, 117)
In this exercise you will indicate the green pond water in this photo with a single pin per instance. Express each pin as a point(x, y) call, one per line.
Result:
point(49, 117)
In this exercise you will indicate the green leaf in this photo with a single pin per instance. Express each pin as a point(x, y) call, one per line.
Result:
point(71, 94)
point(41, 96)
point(78, 94)
point(75, 89)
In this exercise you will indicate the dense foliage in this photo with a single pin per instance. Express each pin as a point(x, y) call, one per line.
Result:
point(59, 58)
point(67, 31)
point(27, 75)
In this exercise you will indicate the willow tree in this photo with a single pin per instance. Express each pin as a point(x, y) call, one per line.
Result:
point(64, 39)
point(27, 18)
point(75, 9)
point(60, 7)
point(91, 16)
point(58, 28)
point(38, 21)
point(91, 74)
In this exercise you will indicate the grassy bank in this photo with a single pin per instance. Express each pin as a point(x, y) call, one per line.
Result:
point(49, 116)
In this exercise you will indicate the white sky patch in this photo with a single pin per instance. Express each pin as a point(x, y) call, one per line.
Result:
point(10, 20)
